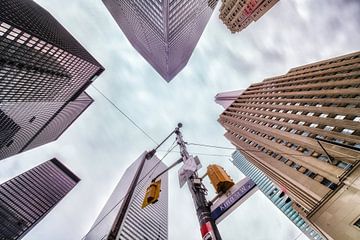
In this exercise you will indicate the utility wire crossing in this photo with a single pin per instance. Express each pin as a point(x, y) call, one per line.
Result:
point(125, 115)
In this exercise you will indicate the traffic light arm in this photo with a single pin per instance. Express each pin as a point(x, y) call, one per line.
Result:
point(167, 169)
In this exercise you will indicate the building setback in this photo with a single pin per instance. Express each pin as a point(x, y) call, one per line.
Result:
point(275, 194)
point(237, 15)
point(225, 99)
point(121, 220)
point(165, 32)
point(43, 72)
point(276, 125)
point(26, 199)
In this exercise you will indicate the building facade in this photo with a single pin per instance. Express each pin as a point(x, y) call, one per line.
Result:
point(302, 130)
point(237, 15)
point(165, 32)
point(225, 99)
point(43, 71)
point(275, 194)
point(26, 199)
point(121, 220)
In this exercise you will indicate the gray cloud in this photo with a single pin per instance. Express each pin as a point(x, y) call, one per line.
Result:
point(102, 143)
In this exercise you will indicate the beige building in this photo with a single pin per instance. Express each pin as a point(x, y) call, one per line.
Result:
point(277, 124)
point(238, 14)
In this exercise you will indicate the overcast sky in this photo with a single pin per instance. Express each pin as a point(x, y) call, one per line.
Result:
point(101, 144)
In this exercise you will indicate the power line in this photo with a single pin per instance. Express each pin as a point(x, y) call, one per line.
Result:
point(202, 154)
point(210, 146)
point(125, 115)
point(252, 150)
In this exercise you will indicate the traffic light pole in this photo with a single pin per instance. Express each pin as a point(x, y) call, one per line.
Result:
point(208, 228)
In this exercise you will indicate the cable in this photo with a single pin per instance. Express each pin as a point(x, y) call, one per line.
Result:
point(125, 115)
point(202, 154)
point(250, 150)
point(210, 146)
point(172, 146)
point(151, 171)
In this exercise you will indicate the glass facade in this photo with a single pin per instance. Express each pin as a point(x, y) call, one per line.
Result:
point(43, 71)
point(275, 194)
point(27, 198)
point(165, 32)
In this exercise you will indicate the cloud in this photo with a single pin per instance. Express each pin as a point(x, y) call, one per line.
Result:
point(101, 144)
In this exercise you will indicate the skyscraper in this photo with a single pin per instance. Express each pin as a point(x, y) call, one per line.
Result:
point(237, 15)
point(43, 72)
point(276, 195)
point(165, 32)
point(26, 199)
point(122, 216)
point(302, 130)
point(225, 99)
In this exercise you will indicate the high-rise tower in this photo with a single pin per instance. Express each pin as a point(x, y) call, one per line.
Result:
point(122, 216)
point(43, 74)
point(165, 32)
point(237, 15)
point(302, 130)
point(26, 199)
point(276, 195)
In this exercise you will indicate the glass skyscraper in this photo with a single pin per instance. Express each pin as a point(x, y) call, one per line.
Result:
point(43, 74)
point(165, 32)
point(124, 220)
point(275, 194)
point(27, 198)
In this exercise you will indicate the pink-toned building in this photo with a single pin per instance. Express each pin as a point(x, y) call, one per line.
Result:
point(225, 99)
point(164, 32)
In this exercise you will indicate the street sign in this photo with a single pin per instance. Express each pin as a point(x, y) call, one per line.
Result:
point(191, 165)
point(232, 199)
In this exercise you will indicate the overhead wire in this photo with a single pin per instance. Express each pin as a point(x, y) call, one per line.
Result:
point(125, 115)
point(249, 150)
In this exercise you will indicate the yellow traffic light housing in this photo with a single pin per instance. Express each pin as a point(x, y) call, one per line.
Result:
point(152, 193)
point(219, 178)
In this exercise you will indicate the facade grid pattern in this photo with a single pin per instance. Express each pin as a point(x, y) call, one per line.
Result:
point(320, 100)
point(164, 32)
point(275, 194)
point(43, 70)
point(27, 198)
point(238, 14)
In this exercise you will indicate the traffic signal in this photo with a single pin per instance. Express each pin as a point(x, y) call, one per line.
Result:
point(219, 178)
point(152, 193)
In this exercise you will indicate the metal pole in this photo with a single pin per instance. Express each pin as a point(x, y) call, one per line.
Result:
point(208, 227)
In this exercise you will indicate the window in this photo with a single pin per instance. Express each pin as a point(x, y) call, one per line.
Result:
point(357, 223)
point(32, 119)
point(9, 143)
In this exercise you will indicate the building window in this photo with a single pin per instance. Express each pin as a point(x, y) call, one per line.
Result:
point(32, 119)
point(357, 223)
point(9, 143)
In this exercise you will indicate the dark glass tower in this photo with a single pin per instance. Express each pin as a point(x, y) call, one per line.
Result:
point(43, 71)
point(165, 32)
point(27, 198)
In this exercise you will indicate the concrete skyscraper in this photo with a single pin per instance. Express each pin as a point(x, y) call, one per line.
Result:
point(26, 199)
point(165, 32)
point(302, 130)
point(43, 74)
point(237, 15)
point(122, 216)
